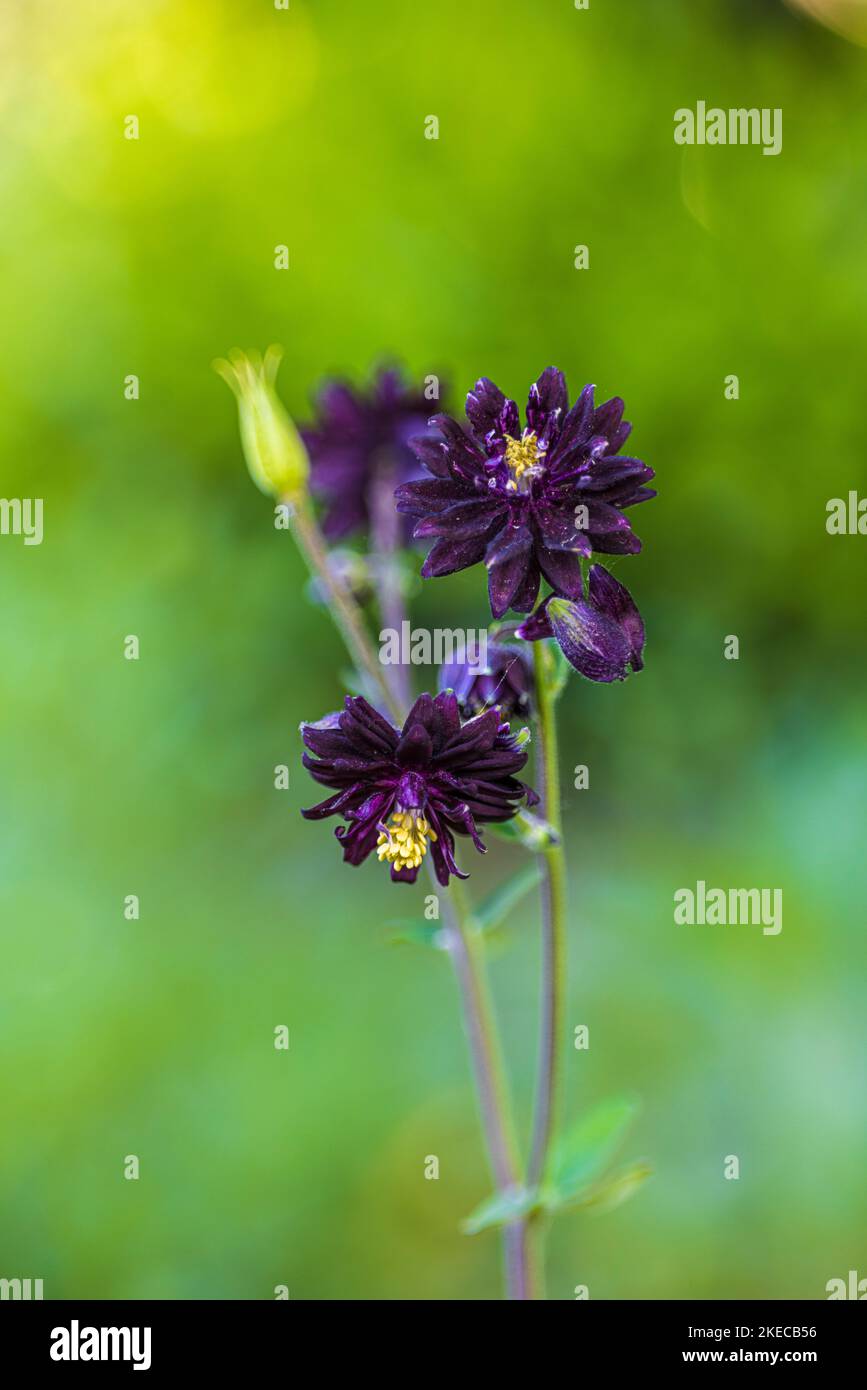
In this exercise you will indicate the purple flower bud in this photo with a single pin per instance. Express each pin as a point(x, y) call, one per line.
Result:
point(602, 636)
point(506, 681)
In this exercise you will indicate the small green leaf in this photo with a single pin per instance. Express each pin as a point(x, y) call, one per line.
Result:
point(494, 909)
point(500, 1209)
point(584, 1152)
point(411, 933)
point(618, 1187)
point(531, 831)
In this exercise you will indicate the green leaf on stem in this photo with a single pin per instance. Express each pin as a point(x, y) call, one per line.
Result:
point(411, 933)
point(534, 833)
point(494, 909)
point(616, 1188)
point(582, 1154)
point(501, 1209)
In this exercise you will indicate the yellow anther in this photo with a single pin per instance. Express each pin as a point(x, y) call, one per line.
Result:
point(523, 454)
point(404, 842)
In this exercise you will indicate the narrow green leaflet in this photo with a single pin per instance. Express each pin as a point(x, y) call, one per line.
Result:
point(531, 831)
point(505, 1207)
point(413, 933)
point(494, 909)
point(584, 1152)
point(618, 1187)
point(500, 1209)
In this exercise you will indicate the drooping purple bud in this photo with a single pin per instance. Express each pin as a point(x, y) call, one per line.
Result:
point(602, 636)
point(593, 643)
point(506, 680)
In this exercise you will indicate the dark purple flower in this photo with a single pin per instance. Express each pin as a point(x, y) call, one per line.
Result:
point(506, 681)
point(528, 502)
point(602, 636)
point(359, 450)
point(400, 791)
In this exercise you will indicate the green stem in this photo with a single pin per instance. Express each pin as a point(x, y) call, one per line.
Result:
point(466, 950)
point(344, 610)
point(553, 919)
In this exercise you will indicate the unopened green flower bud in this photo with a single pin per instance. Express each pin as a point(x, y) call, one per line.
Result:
point(273, 448)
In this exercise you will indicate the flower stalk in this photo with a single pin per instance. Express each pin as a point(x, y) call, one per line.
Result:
point(344, 610)
point(553, 917)
point(467, 955)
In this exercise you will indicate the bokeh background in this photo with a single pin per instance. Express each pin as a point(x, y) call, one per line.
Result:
point(155, 777)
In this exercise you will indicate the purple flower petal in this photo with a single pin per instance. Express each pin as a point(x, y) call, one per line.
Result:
point(527, 591)
point(465, 458)
point(485, 406)
point(463, 519)
point(432, 452)
point(613, 599)
point(562, 569)
point(576, 426)
point(430, 495)
point(607, 417)
point(615, 542)
point(508, 557)
point(558, 527)
point(548, 403)
point(538, 625)
point(449, 556)
point(415, 747)
point(612, 471)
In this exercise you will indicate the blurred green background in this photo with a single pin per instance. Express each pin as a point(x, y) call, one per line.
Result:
point(155, 777)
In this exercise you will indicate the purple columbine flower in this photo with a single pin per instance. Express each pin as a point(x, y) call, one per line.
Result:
point(506, 681)
point(402, 791)
point(602, 636)
point(528, 502)
point(359, 449)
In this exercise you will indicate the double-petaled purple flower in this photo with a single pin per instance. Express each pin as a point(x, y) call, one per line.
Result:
point(529, 502)
point(359, 450)
point(402, 791)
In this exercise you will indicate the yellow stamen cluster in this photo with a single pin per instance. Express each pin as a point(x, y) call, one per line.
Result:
point(405, 841)
point(523, 454)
